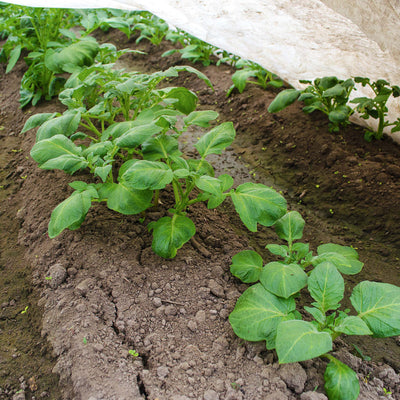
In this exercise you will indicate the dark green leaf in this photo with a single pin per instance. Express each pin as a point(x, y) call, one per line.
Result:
point(283, 100)
point(170, 234)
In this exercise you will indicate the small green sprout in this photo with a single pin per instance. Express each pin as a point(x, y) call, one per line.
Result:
point(48, 278)
point(387, 392)
point(24, 311)
point(84, 340)
point(133, 353)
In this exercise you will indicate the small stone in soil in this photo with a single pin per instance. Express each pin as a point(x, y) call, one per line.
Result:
point(162, 372)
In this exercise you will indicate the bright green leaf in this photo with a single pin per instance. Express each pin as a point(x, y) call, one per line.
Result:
point(37, 120)
point(185, 100)
point(283, 100)
point(159, 147)
point(72, 57)
point(125, 200)
point(137, 135)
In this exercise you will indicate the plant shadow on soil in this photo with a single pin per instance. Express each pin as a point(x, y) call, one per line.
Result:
point(113, 294)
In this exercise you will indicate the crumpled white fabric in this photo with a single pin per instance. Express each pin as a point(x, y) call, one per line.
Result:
point(295, 39)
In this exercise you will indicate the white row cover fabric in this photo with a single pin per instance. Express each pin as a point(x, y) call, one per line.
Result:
point(296, 40)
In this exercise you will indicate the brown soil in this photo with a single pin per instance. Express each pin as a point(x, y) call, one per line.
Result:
point(110, 293)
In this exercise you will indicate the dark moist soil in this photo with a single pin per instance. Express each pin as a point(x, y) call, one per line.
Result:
point(109, 292)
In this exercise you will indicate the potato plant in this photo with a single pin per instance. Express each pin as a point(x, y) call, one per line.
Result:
point(268, 310)
point(132, 160)
point(248, 69)
point(328, 94)
point(376, 107)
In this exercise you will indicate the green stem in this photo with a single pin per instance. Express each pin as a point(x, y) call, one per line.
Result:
point(90, 126)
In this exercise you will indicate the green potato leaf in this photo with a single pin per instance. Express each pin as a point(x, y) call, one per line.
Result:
point(58, 152)
point(258, 313)
point(125, 200)
point(240, 77)
point(341, 382)
point(247, 266)
point(201, 118)
point(185, 100)
point(37, 120)
point(290, 226)
point(300, 340)
point(326, 286)
point(72, 57)
point(344, 258)
point(143, 174)
point(378, 305)
point(70, 213)
point(14, 57)
point(65, 125)
point(283, 100)
point(283, 280)
point(216, 140)
point(278, 250)
point(256, 203)
point(160, 147)
point(137, 135)
point(353, 325)
point(170, 234)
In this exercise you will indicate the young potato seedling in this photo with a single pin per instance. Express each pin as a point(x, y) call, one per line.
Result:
point(268, 309)
point(329, 95)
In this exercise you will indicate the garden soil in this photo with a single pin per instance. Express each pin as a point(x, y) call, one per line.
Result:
point(106, 292)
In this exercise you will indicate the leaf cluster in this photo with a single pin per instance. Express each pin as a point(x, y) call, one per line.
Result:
point(125, 130)
point(268, 310)
point(376, 107)
point(329, 95)
point(249, 69)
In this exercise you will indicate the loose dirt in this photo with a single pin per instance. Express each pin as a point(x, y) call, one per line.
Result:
point(109, 293)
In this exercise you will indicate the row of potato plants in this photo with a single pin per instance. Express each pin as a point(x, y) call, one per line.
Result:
point(124, 129)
